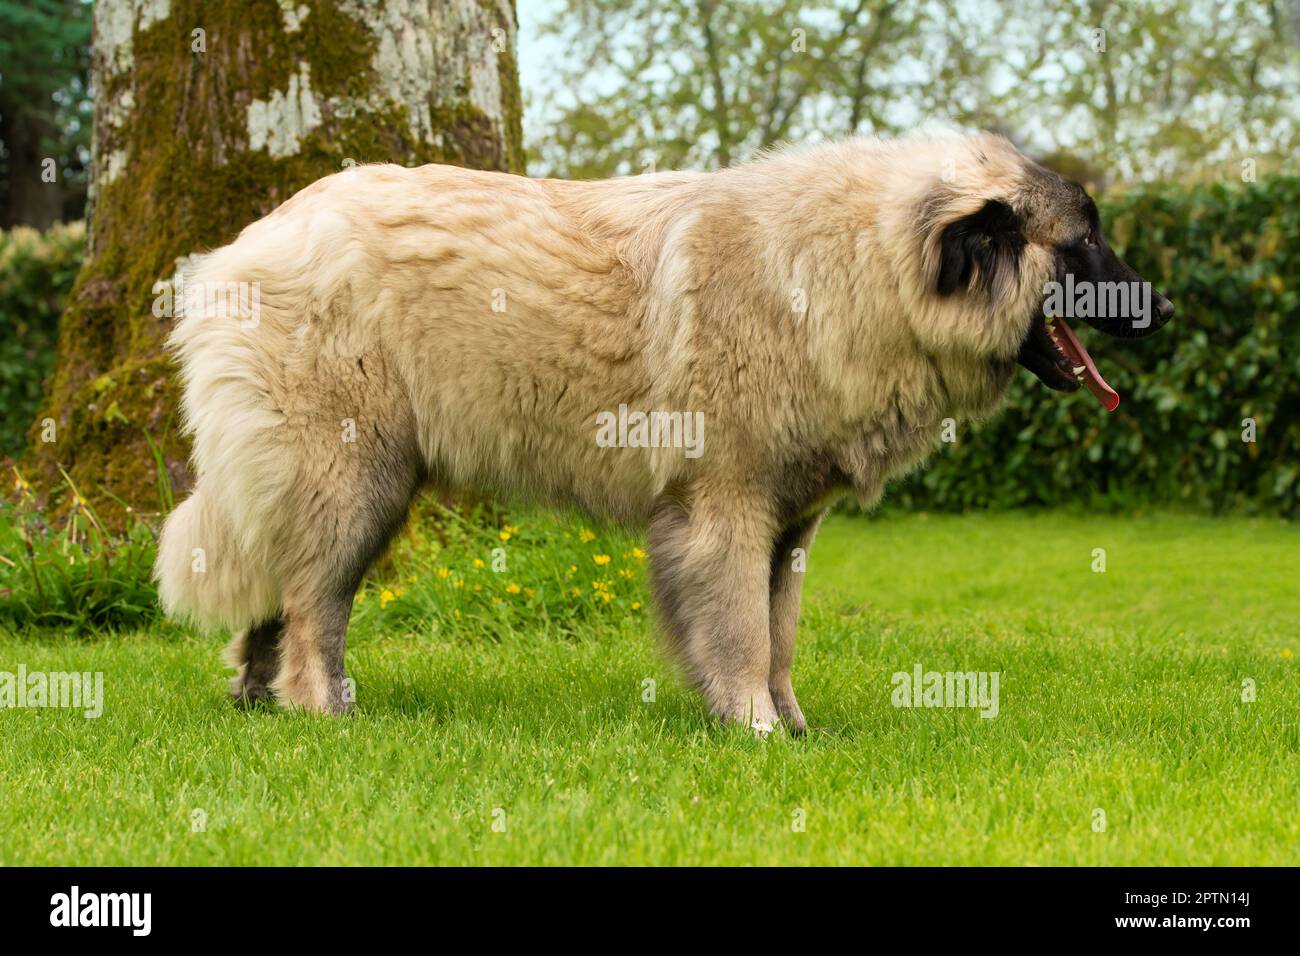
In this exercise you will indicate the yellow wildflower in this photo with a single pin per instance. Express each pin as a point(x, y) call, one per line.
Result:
point(601, 559)
point(585, 536)
point(513, 588)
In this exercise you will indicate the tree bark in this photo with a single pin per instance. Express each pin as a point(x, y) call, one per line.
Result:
point(207, 116)
point(30, 200)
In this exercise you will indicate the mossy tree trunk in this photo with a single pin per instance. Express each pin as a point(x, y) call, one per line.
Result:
point(207, 116)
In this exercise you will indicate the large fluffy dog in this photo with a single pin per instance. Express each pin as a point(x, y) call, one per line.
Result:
point(823, 310)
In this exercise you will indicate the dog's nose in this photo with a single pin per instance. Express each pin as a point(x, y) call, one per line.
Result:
point(1164, 310)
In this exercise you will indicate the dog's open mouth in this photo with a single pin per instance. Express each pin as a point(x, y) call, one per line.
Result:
point(1054, 353)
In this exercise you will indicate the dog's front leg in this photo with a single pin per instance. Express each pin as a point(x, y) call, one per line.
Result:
point(789, 561)
point(710, 564)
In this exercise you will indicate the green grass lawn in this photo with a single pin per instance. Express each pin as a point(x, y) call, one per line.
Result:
point(1120, 692)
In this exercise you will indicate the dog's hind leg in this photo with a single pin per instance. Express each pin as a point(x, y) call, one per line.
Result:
point(352, 494)
point(318, 600)
point(789, 557)
point(311, 673)
point(346, 532)
point(255, 653)
point(710, 563)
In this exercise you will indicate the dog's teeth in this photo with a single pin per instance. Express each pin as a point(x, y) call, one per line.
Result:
point(1079, 370)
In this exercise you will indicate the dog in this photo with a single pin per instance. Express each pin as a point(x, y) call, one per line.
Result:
point(820, 312)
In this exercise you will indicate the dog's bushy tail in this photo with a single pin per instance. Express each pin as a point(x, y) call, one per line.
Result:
point(216, 562)
point(203, 574)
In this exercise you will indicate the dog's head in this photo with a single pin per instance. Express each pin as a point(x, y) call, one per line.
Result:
point(1027, 245)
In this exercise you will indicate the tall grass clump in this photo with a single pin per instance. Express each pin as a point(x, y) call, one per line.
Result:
point(71, 573)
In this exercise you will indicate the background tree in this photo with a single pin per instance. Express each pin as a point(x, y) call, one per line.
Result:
point(701, 83)
point(44, 110)
point(207, 116)
point(1139, 89)
point(1160, 88)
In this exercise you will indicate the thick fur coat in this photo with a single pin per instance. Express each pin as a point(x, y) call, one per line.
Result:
point(459, 329)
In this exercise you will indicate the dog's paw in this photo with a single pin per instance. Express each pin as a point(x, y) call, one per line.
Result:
point(247, 697)
point(791, 716)
point(246, 690)
point(754, 711)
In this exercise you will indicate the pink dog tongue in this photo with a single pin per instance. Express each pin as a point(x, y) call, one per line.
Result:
point(1078, 355)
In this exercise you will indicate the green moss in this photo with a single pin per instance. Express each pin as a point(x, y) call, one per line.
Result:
point(512, 111)
point(512, 102)
point(191, 183)
point(468, 138)
point(339, 50)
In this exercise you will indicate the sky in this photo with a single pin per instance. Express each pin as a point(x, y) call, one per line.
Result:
point(535, 52)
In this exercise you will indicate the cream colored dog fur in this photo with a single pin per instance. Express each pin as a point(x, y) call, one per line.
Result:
point(465, 329)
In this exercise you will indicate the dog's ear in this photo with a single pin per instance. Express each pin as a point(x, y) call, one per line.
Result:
point(983, 246)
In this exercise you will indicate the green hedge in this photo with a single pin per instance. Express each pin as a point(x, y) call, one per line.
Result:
point(36, 275)
point(1229, 258)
